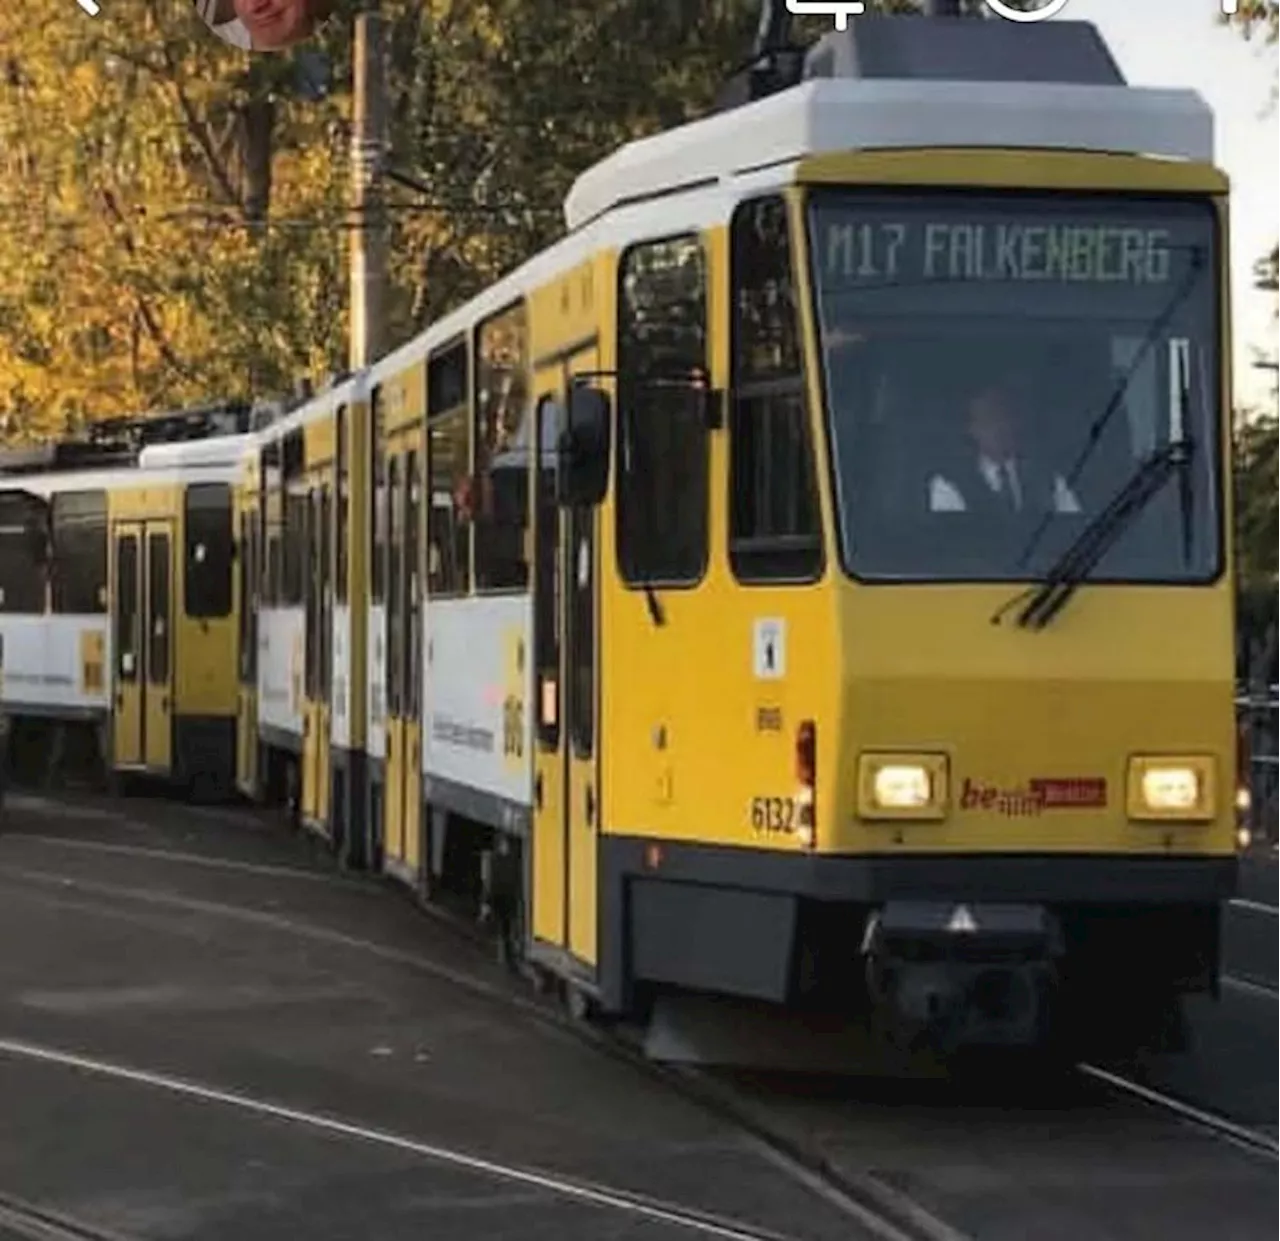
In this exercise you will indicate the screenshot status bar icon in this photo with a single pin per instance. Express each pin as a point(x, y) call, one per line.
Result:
point(842, 10)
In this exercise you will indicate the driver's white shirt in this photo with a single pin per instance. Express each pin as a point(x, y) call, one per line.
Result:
point(945, 497)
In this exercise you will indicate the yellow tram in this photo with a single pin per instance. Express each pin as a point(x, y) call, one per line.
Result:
point(805, 588)
point(696, 643)
point(117, 606)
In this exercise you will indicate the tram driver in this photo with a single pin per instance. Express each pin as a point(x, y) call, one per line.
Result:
point(996, 468)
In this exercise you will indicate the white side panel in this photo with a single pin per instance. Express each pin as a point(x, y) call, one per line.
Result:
point(281, 636)
point(376, 697)
point(479, 658)
point(42, 667)
point(340, 680)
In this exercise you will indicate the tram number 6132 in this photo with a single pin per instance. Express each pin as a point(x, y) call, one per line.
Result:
point(773, 816)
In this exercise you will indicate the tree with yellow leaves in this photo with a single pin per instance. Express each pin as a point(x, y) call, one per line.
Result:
point(174, 226)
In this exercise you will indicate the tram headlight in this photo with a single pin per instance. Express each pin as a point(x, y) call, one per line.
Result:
point(1171, 788)
point(902, 786)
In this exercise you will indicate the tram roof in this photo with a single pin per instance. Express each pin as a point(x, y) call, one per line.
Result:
point(931, 103)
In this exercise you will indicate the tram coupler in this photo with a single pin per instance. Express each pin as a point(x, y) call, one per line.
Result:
point(943, 975)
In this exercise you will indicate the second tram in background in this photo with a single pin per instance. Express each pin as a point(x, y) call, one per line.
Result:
point(116, 598)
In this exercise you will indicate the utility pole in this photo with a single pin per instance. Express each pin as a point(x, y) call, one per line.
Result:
point(368, 233)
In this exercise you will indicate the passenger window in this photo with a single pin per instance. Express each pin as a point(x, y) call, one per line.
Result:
point(774, 527)
point(207, 522)
point(449, 481)
point(378, 492)
point(126, 627)
point(395, 590)
point(502, 452)
point(249, 554)
point(662, 459)
point(23, 558)
point(342, 506)
point(159, 619)
point(296, 555)
point(80, 552)
point(413, 584)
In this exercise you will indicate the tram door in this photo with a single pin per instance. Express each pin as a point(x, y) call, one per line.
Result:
point(143, 625)
point(317, 669)
point(403, 682)
point(126, 632)
point(566, 763)
point(250, 560)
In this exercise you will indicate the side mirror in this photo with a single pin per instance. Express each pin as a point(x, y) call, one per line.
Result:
point(582, 455)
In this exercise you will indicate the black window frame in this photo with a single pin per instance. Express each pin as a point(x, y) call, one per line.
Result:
point(79, 548)
point(635, 572)
point(377, 499)
point(491, 535)
point(342, 504)
point(208, 510)
point(759, 417)
point(442, 363)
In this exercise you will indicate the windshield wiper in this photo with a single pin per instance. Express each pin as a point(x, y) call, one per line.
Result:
point(1195, 266)
point(1097, 538)
point(1094, 541)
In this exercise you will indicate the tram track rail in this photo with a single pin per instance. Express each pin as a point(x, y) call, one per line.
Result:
point(871, 1203)
point(876, 1210)
point(31, 1222)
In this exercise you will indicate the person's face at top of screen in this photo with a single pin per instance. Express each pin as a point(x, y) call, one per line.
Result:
point(274, 23)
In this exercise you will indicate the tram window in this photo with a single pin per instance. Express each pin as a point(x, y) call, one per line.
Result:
point(449, 504)
point(502, 415)
point(378, 492)
point(774, 530)
point(208, 550)
point(79, 576)
point(447, 379)
point(23, 556)
point(662, 460)
point(273, 568)
point(413, 582)
point(395, 590)
point(546, 591)
point(294, 543)
point(248, 569)
point(158, 612)
point(126, 607)
point(342, 504)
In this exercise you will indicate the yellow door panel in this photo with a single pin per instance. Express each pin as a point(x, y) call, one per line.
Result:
point(310, 747)
point(412, 797)
point(393, 811)
point(157, 726)
point(247, 742)
point(321, 777)
point(127, 655)
point(548, 890)
point(582, 818)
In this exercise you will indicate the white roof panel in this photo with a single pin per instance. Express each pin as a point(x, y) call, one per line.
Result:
point(828, 115)
point(186, 454)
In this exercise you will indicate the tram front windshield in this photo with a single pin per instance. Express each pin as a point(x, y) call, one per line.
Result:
point(998, 366)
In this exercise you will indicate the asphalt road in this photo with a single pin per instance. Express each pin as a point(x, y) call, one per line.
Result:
point(207, 974)
point(208, 947)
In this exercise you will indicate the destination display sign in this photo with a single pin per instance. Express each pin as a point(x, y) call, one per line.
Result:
point(877, 249)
